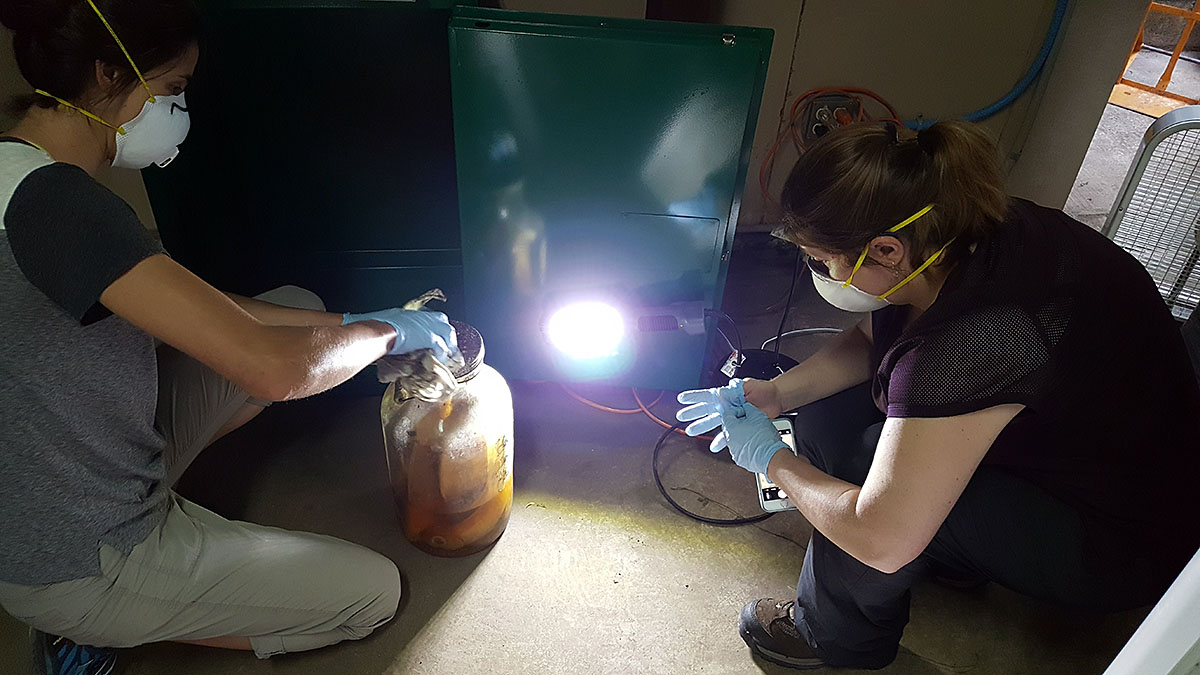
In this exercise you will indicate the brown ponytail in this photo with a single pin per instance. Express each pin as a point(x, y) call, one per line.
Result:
point(858, 181)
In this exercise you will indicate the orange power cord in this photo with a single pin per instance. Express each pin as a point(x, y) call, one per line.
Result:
point(607, 409)
point(642, 408)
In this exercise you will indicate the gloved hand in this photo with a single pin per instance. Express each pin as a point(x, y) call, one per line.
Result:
point(414, 330)
point(749, 433)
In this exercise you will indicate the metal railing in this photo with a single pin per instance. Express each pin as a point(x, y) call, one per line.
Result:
point(1190, 16)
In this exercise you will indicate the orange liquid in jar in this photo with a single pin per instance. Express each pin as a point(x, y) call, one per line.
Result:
point(457, 534)
point(454, 507)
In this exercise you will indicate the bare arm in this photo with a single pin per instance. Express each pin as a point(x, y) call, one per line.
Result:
point(270, 362)
point(920, 469)
point(278, 315)
point(842, 363)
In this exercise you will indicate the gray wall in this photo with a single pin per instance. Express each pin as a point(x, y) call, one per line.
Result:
point(941, 58)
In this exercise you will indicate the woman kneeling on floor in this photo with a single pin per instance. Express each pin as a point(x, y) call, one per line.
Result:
point(96, 551)
point(1017, 406)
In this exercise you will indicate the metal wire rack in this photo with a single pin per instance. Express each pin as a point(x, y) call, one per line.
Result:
point(1157, 214)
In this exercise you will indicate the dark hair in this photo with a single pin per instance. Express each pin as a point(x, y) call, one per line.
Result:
point(58, 42)
point(858, 181)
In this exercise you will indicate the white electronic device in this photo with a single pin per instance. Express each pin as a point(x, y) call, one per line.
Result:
point(770, 496)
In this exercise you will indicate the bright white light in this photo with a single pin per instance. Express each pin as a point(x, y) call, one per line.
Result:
point(586, 330)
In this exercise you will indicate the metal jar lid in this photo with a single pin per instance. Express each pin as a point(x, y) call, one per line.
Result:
point(470, 343)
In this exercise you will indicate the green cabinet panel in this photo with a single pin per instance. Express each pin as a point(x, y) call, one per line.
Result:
point(599, 159)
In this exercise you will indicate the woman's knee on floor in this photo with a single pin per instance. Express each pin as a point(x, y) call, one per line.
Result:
point(846, 456)
point(373, 585)
point(838, 434)
point(294, 297)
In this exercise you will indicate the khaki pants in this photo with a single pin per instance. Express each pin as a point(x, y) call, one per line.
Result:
point(199, 576)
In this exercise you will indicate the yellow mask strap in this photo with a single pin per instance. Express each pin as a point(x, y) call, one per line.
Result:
point(141, 78)
point(124, 51)
point(895, 228)
point(36, 146)
point(857, 265)
point(81, 111)
point(917, 271)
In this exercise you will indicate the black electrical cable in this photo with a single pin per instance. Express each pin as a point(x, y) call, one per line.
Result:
point(788, 307)
point(769, 309)
point(725, 337)
point(737, 334)
point(677, 506)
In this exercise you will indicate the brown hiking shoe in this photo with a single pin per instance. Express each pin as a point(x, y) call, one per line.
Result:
point(769, 629)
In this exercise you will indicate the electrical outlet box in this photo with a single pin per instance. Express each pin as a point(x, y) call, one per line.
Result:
point(826, 113)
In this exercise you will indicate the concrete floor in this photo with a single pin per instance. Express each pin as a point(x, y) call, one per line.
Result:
point(595, 573)
point(1148, 66)
point(1108, 159)
point(1118, 137)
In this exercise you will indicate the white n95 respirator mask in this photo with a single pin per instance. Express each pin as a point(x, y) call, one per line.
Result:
point(848, 298)
point(154, 136)
point(845, 296)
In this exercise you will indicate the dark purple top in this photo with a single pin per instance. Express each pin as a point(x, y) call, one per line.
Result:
point(1050, 314)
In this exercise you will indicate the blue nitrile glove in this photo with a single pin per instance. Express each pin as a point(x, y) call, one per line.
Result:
point(749, 433)
point(415, 329)
point(704, 413)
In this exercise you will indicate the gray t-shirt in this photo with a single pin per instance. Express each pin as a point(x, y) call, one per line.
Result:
point(80, 458)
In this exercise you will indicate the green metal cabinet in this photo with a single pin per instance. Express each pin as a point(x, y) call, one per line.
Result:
point(321, 153)
point(600, 159)
point(371, 150)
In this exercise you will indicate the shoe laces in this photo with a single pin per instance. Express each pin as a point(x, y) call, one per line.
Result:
point(786, 621)
point(76, 659)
